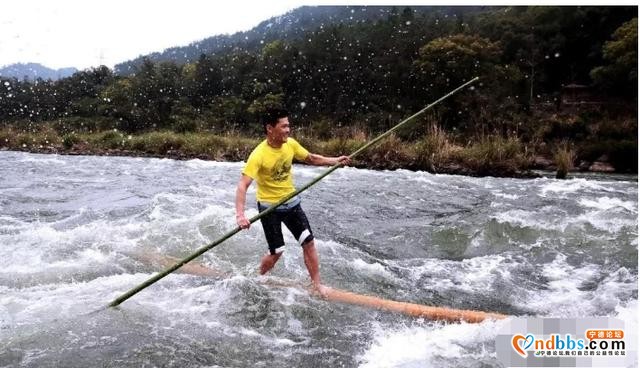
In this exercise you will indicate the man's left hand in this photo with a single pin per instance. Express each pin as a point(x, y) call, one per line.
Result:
point(343, 160)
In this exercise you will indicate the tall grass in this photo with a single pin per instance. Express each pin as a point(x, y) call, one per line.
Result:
point(40, 138)
point(493, 154)
point(434, 149)
point(158, 143)
point(564, 156)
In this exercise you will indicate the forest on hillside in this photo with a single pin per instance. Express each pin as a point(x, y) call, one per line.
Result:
point(547, 75)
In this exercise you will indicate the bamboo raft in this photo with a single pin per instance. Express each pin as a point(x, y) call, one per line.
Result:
point(337, 295)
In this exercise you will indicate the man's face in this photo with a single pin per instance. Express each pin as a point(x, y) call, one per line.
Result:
point(280, 132)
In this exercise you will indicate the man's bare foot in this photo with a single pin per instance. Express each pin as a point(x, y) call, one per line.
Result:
point(268, 261)
point(320, 290)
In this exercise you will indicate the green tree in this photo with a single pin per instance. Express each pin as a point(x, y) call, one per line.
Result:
point(446, 62)
point(203, 80)
point(261, 104)
point(119, 103)
point(620, 75)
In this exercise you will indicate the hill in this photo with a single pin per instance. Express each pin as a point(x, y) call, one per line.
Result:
point(288, 27)
point(33, 71)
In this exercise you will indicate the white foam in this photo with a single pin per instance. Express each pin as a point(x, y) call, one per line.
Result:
point(248, 332)
point(469, 275)
point(427, 179)
point(43, 159)
point(186, 301)
point(39, 246)
point(562, 188)
point(49, 302)
point(371, 268)
point(619, 285)
point(430, 346)
point(11, 224)
point(604, 222)
point(606, 203)
point(506, 196)
point(201, 164)
point(524, 218)
point(550, 218)
point(292, 293)
point(565, 295)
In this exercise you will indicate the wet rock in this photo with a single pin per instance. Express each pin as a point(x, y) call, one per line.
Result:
point(540, 162)
point(584, 165)
point(599, 166)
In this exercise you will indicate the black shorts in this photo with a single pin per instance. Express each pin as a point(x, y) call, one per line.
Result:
point(295, 220)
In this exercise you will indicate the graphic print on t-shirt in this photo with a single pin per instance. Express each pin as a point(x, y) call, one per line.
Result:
point(281, 170)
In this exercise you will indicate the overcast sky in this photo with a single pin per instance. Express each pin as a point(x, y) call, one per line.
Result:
point(82, 34)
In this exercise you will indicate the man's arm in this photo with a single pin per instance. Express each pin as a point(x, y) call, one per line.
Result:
point(241, 199)
point(319, 160)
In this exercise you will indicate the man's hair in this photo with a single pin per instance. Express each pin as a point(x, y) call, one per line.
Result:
point(271, 117)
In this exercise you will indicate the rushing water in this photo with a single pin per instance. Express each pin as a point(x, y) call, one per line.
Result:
point(72, 230)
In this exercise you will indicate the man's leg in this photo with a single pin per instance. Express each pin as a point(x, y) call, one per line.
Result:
point(268, 261)
point(313, 266)
point(272, 226)
point(296, 221)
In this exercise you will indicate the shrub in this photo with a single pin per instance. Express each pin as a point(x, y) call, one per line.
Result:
point(184, 125)
point(208, 144)
point(74, 124)
point(69, 140)
point(111, 139)
point(341, 146)
point(322, 129)
point(7, 137)
point(391, 152)
point(160, 142)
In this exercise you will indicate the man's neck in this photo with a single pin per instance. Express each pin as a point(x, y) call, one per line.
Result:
point(272, 143)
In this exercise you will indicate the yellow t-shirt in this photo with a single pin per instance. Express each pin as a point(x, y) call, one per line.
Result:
point(271, 169)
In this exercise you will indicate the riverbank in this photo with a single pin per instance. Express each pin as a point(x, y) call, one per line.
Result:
point(436, 153)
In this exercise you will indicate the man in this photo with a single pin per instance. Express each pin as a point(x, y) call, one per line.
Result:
point(270, 165)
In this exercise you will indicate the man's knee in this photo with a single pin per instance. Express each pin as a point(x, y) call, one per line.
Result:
point(305, 238)
point(309, 245)
point(309, 241)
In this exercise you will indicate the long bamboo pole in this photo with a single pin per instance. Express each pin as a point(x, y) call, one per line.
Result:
point(255, 218)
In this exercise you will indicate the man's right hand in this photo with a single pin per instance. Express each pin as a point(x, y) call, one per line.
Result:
point(241, 197)
point(242, 222)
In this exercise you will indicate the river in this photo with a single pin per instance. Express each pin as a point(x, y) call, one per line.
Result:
point(72, 229)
